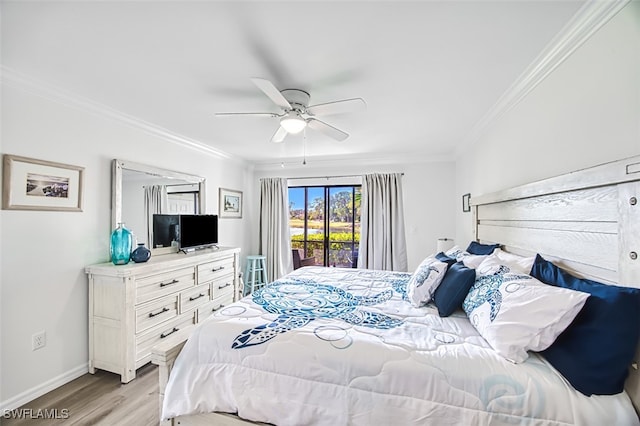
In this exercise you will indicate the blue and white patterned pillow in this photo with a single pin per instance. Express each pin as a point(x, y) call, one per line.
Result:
point(515, 262)
point(456, 253)
point(425, 280)
point(470, 260)
point(516, 313)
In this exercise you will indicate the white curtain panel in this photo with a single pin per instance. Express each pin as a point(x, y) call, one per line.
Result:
point(382, 238)
point(275, 241)
point(155, 202)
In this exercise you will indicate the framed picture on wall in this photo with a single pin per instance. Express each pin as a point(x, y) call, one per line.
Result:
point(229, 203)
point(466, 206)
point(30, 184)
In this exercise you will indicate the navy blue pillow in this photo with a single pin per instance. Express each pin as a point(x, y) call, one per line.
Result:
point(481, 249)
point(454, 287)
point(446, 259)
point(595, 351)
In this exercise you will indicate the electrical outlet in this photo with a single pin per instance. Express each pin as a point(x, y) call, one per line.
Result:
point(39, 340)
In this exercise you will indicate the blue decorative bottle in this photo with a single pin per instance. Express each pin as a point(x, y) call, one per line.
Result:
point(121, 243)
point(141, 254)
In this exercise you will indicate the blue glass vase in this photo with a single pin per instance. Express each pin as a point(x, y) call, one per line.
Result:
point(140, 254)
point(121, 243)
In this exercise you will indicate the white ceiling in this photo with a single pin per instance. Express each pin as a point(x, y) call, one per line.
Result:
point(429, 71)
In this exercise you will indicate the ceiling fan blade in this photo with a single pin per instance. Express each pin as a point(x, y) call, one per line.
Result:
point(338, 107)
point(328, 130)
point(272, 92)
point(252, 114)
point(279, 135)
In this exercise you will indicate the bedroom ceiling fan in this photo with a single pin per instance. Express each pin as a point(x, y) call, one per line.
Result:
point(297, 113)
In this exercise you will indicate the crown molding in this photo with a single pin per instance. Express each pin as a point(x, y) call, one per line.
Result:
point(23, 82)
point(589, 19)
point(348, 162)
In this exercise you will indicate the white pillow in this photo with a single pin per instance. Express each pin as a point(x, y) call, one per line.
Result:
point(469, 260)
point(472, 261)
point(516, 313)
point(425, 280)
point(516, 263)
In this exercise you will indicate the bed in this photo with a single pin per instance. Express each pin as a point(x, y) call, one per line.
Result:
point(338, 346)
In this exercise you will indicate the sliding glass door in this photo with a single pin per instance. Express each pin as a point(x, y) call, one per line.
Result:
point(324, 222)
point(307, 221)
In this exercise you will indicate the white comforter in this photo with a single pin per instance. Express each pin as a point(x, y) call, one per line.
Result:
point(340, 347)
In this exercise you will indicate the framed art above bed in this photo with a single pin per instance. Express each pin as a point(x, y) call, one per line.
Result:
point(338, 346)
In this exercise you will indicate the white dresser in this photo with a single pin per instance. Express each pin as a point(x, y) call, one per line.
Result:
point(133, 307)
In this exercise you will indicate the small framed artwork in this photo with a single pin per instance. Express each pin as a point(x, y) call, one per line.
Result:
point(230, 203)
point(466, 206)
point(30, 184)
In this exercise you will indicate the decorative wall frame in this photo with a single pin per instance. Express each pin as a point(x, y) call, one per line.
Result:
point(466, 206)
point(229, 203)
point(30, 184)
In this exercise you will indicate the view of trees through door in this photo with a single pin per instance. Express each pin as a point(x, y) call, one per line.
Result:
point(324, 221)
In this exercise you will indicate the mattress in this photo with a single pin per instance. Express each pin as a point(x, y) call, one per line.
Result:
point(332, 346)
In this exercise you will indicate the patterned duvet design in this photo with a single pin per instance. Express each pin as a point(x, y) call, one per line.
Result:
point(340, 347)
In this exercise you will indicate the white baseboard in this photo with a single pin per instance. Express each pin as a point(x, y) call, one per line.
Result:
point(37, 391)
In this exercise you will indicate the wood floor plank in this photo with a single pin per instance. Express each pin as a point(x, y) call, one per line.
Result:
point(96, 399)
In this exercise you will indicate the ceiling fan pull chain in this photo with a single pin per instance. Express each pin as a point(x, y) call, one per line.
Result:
point(304, 147)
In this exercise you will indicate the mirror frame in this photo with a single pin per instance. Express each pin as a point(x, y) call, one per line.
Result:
point(116, 190)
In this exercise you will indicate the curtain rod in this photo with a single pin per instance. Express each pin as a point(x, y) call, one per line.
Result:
point(328, 177)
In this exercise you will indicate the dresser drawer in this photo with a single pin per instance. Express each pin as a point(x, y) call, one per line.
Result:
point(153, 313)
point(215, 269)
point(212, 307)
point(145, 341)
point(153, 286)
point(222, 287)
point(223, 301)
point(192, 298)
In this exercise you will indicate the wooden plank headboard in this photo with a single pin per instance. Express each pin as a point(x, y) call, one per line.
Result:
point(587, 222)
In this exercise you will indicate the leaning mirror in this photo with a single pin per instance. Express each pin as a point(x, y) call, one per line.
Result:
point(140, 191)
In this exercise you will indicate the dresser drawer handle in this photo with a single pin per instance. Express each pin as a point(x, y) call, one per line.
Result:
point(163, 335)
point(217, 269)
point(218, 308)
point(191, 299)
point(169, 283)
point(220, 287)
point(153, 314)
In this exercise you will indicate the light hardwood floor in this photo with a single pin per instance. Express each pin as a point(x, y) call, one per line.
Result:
point(98, 399)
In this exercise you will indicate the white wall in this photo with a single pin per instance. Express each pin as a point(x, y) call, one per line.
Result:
point(42, 280)
point(585, 113)
point(429, 199)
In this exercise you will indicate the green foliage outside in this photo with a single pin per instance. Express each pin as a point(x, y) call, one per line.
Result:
point(336, 237)
point(342, 207)
point(317, 224)
point(339, 247)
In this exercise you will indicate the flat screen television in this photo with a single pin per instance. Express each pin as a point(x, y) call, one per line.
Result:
point(198, 231)
point(165, 230)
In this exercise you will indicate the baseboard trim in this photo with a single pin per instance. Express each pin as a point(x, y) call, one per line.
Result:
point(37, 391)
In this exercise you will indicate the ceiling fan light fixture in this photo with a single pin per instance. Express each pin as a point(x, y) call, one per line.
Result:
point(293, 123)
